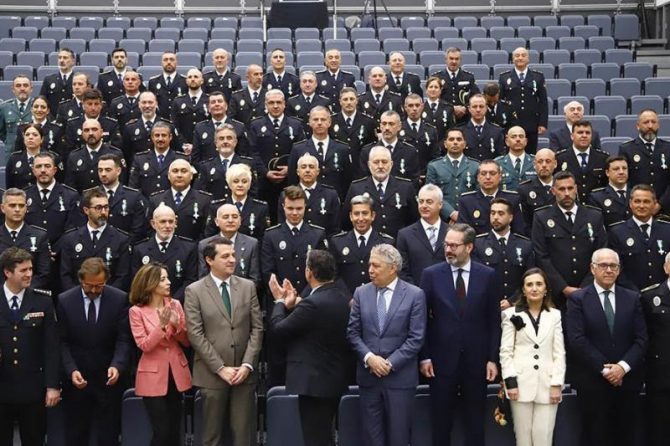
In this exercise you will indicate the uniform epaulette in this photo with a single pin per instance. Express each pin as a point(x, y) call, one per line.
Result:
point(393, 93)
point(472, 159)
point(535, 71)
point(466, 71)
point(520, 236)
point(602, 151)
point(204, 192)
point(106, 72)
point(16, 152)
point(340, 234)
point(651, 287)
point(629, 142)
point(321, 71)
point(126, 233)
point(324, 97)
point(327, 186)
point(383, 235)
point(494, 124)
point(616, 223)
point(294, 96)
point(486, 234)
point(561, 151)
point(110, 118)
point(146, 239)
point(316, 226)
point(259, 117)
point(546, 206)
point(506, 72)
point(186, 239)
point(64, 100)
point(41, 291)
point(259, 201)
point(130, 188)
point(348, 72)
point(74, 118)
point(156, 76)
point(38, 227)
point(525, 182)
point(428, 124)
point(470, 192)
point(244, 157)
point(402, 179)
point(590, 206)
point(511, 192)
point(273, 227)
point(341, 142)
point(142, 153)
point(56, 123)
point(67, 231)
point(662, 221)
point(599, 189)
point(499, 157)
point(68, 187)
point(157, 192)
point(132, 121)
point(90, 188)
point(220, 200)
point(505, 101)
point(359, 180)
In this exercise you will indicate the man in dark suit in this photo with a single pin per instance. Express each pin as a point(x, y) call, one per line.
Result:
point(378, 99)
point(204, 142)
point(91, 101)
point(221, 78)
point(302, 103)
point(317, 359)
point(656, 307)
point(386, 330)
point(332, 80)
point(561, 138)
point(499, 112)
point(58, 86)
point(517, 165)
point(457, 84)
point(29, 370)
point(168, 85)
point(420, 244)
point(607, 335)
point(462, 337)
point(248, 103)
point(418, 132)
point(648, 158)
point(401, 81)
point(484, 139)
point(125, 107)
point(95, 348)
point(613, 198)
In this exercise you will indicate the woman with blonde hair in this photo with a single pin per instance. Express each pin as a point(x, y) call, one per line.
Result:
point(158, 325)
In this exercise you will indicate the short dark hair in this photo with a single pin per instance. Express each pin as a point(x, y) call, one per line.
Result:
point(92, 267)
point(322, 265)
point(522, 303)
point(581, 123)
point(89, 194)
point(67, 50)
point(112, 157)
point(11, 257)
point(505, 202)
point(119, 50)
point(49, 155)
point(614, 158)
point(32, 125)
point(491, 89)
point(209, 252)
point(469, 234)
point(455, 129)
point(642, 187)
point(92, 94)
point(564, 175)
point(294, 193)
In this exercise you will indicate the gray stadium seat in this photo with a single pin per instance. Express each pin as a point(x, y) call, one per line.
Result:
point(509, 44)
point(6, 58)
point(601, 123)
point(555, 122)
point(146, 22)
point(199, 23)
point(338, 44)
point(283, 421)
point(152, 58)
point(190, 58)
point(547, 69)
point(12, 71)
point(250, 33)
point(638, 70)
point(545, 20)
point(601, 43)
point(605, 71)
point(395, 44)
point(251, 22)
point(541, 43)
point(478, 70)
point(572, 21)
point(250, 45)
point(586, 31)
point(167, 33)
point(528, 32)
point(118, 22)
point(419, 70)
point(587, 56)
point(6, 92)
point(445, 32)
point(226, 44)
point(499, 32)
point(626, 27)
point(424, 44)
point(348, 58)
point(12, 44)
point(571, 43)
point(461, 22)
point(498, 69)
point(96, 58)
point(414, 32)
point(25, 32)
point(66, 22)
point(366, 45)
point(480, 44)
point(147, 72)
point(280, 33)
point(382, 22)
point(639, 103)
point(494, 57)
point(515, 21)
point(625, 87)
point(83, 33)
point(302, 45)
point(610, 144)
point(195, 33)
point(469, 57)
point(625, 125)
point(590, 87)
point(371, 58)
point(557, 31)
point(342, 33)
point(459, 43)
point(572, 71)
point(557, 88)
point(657, 86)
point(610, 106)
point(410, 56)
point(434, 22)
point(284, 44)
point(76, 45)
point(390, 33)
point(52, 58)
point(602, 21)
point(353, 69)
point(307, 33)
point(471, 32)
point(490, 21)
point(44, 71)
point(618, 55)
point(562, 101)
point(103, 45)
point(223, 33)
point(116, 34)
point(93, 71)
point(56, 33)
point(226, 22)
point(427, 58)
point(309, 58)
point(38, 21)
point(411, 22)
point(44, 45)
point(248, 58)
point(556, 57)
point(7, 23)
point(172, 22)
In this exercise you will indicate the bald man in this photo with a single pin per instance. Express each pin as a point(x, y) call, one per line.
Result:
point(536, 192)
point(379, 98)
point(191, 108)
point(249, 103)
point(517, 165)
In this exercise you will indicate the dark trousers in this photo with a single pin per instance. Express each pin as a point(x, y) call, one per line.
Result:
point(609, 417)
point(165, 416)
point(658, 417)
point(462, 392)
point(386, 415)
point(96, 404)
point(32, 423)
point(316, 417)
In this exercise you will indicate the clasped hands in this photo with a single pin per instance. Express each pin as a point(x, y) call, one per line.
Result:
point(284, 291)
point(378, 366)
point(234, 375)
point(614, 374)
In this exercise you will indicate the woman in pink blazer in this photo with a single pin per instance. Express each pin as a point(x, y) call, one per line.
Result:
point(159, 327)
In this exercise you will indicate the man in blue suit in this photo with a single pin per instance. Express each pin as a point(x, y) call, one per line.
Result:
point(462, 337)
point(386, 329)
point(607, 335)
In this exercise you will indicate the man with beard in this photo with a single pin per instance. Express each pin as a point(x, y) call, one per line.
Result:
point(167, 85)
point(484, 140)
point(189, 109)
point(378, 99)
point(91, 101)
point(457, 84)
point(110, 83)
point(648, 157)
point(72, 108)
point(58, 86)
point(418, 133)
point(125, 107)
point(561, 139)
point(536, 192)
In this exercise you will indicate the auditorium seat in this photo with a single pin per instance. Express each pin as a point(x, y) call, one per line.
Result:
point(509, 44)
point(56, 33)
point(44, 71)
point(250, 33)
point(282, 419)
point(250, 45)
point(306, 33)
point(118, 22)
point(601, 124)
point(626, 27)
point(626, 125)
point(454, 42)
point(515, 21)
point(587, 56)
point(172, 22)
point(284, 44)
point(338, 44)
point(225, 22)
point(195, 33)
point(92, 71)
point(445, 32)
point(115, 34)
point(557, 31)
point(625, 87)
point(366, 58)
point(96, 58)
point(557, 88)
point(541, 43)
point(66, 22)
point(25, 32)
point(199, 23)
point(86, 33)
point(12, 71)
point(223, 33)
point(572, 21)
point(640, 102)
point(103, 45)
point(494, 57)
point(395, 44)
point(529, 32)
point(38, 21)
point(610, 144)
point(480, 71)
point(657, 86)
point(556, 57)
point(416, 32)
point(610, 106)
point(280, 33)
point(638, 70)
point(167, 33)
point(480, 44)
point(545, 20)
point(490, 21)
point(571, 43)
point(472, 32)
point(146, 22)
point(500, 32)
point(602, 21)
point(562, 101)
point(44, 45)
point(605, 71)
point(590, 87)
point(12, 44)
point(461, 22)
point(6, 93)
point(586, 31)
point(302, 45)
point(76, 45)
point(411, 22)
point(366, 44)
point(547, 69)
point(618, 55)
point(424, 44)
point(342, 33)
point(434, 22)
point(572, 71)
point(390, 33)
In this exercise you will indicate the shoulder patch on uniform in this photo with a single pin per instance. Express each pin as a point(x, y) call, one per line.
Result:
point(384, 235)
point(602, 152)
point(600, 189)
point(662, 222)
point(506, 72)
point(359, 180)
point(144, 240)
point(220, 200)
point(186, 239)
point(67, 231)
point(513, 192)
point(142, 153)
point(595, 208)
point(68, 187)
point(41, 291)
point(74, 118)
point(650, 287)
point(541, 208)
point(525, 182)
point(340, 234)
point(326, 186)
point(204, 192)
point(122, 232)
point(156, 76)
point(90, 188)
point(109, 118)
point(157, 193)
point(132, 121)
point(472, 159)
point(403, 179)
point(130, 188)
point(559, 152)
point(257, 118)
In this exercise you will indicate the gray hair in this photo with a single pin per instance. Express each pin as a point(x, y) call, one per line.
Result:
point(362, 199)
point(469, 234)
point(306, 73)
point(433, 189)
point(163, 208)
point(389, 254)
point(376, 149)
point(275, 92)
point(572, 104)
point(13, 192)
point(598, 252)
point(308, 157)
point(238, 170)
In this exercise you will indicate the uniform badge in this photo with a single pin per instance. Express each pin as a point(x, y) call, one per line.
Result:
point(145, 166)
point(630, 242)
point(269, 87)
point(336, 128)
point(345, 251)
point(110, 83)
point(636, 158)
point(120, 106)
point(298, 107)
point(158, 86)
point(402, 133)
point(551, 223)
point(52, 86)
point(18, 164)
point(282, 245)
point(204, 135)
point(532, 195)
point(489, 251)
point(264, 129)
point(69, 113)
point(29, 201)
point(564, 166)
point(509, 81)
point(366, 105)
point(476, 213)
point(79, 162)
point(33, 244)
point(657, 301)
point(212, 171)
point(79, 132)
point(183, 105)
point(137, 131)
point(241, 102)
point(78, 247)
point(210, 80)
point(145, 260)
point(607, 202)
point(324, 82)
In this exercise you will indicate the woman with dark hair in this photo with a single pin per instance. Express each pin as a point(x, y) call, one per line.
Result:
point(52, 132)
point(19, 165)
point(435, 110)
point(532, 355)
point(158, 325)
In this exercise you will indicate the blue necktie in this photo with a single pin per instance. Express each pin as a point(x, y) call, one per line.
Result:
point(177, 198)
point(15, 308)
point(381, 308)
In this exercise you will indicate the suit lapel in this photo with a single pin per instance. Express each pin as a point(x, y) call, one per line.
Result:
point(420, 234)
point(596, 307)
point(215, 295)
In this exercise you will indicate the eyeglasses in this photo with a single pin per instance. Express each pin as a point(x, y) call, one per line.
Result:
point(606, 266)
point(100, 207)
point(452, 245)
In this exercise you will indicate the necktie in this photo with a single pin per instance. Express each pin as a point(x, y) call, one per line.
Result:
point(110, 193)
point(94, 155)
point(479, 130)
point(547, 189)
point(455, 164)
point(15, 308)
point(308, 100)
point(308, 192)
point(226, 299)
point(361, 241)
point(255, 97)
point(398, 81)
point(381, 308)
point(120, 77)
point(522, 77)
point(217, 124)
point(460, 289)
point(149, 125)
point(650, 147)
point(348, 122)
point(194, 100)
point(31, 159)
point(390, 147)
point(433, 107)
point(432, 236)
point(489, 198)
point(502, 242)
point(177, 198)
point(224, 163)
point(333, 76)
point(161, 160)
point(239, 205)
point(22, 108)
point(320, 149)
point(275, 123)
point(583, 164)
point(517, 166)
point(568, 216)
point(131, 101)
point(609, 310)
point(622, 194)
point(378, 98)
point(414, 127)
point(168, 82)
point(645, 230)
point(64, 78)
point(380, 189)
point(90, 317)
point(163, 247)
point(45, 195)
point(94, 237)
point(453, 76)
point(279, 79)
point(14, 235)
point(294, 231)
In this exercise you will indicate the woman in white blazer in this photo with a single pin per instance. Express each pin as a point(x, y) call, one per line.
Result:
point(532, 355)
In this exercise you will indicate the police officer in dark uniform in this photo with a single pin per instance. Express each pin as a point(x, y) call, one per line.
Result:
point(92, 105)
point(29, 341)
point(126, 107)
point(536, 192)
point(508, 253)
point(248, 103)
point(221, 78)
point(52, 132)
point(334, 157)
point(393, 197)
point(278, 78)
point(323, 203)
point(204, 144)
point(498, 111)
point(457, 84)
point(302, 103)
point(51, 205)
point(563, 243)
point(110, 82)
point(212, 173)
point(436, 110)
point(15, 232)
point(19, 172)
point(127, 206)
point(517, 165)
point(191, 108)
point(58, 86)
point(405, 157)
point(81, 167)
point(642, 241)
point(72, 107)
point(525, 89)
point(474, 208)
point(149, 169)
point(613, 198)
point(587, 164)
point(97, 238)
point(378, 99)
point(137, 133)
point(353, 128)
point(177, 253)
point(648, 158)
point(484, 139)
point(191, 206)
point(418, 132)
point(332, 80)
point(168, 85)
point(401, 81)
point(350, 251)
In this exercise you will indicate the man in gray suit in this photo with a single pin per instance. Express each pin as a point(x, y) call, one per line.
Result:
point(225, 328)
point(386, 330)
point(14, 112)
point(228, 220)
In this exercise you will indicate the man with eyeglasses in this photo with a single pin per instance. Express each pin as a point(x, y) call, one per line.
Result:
point(607, 335)
point(95, 353)
point(564, 236)
point(97, 238)
point(642, 241)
